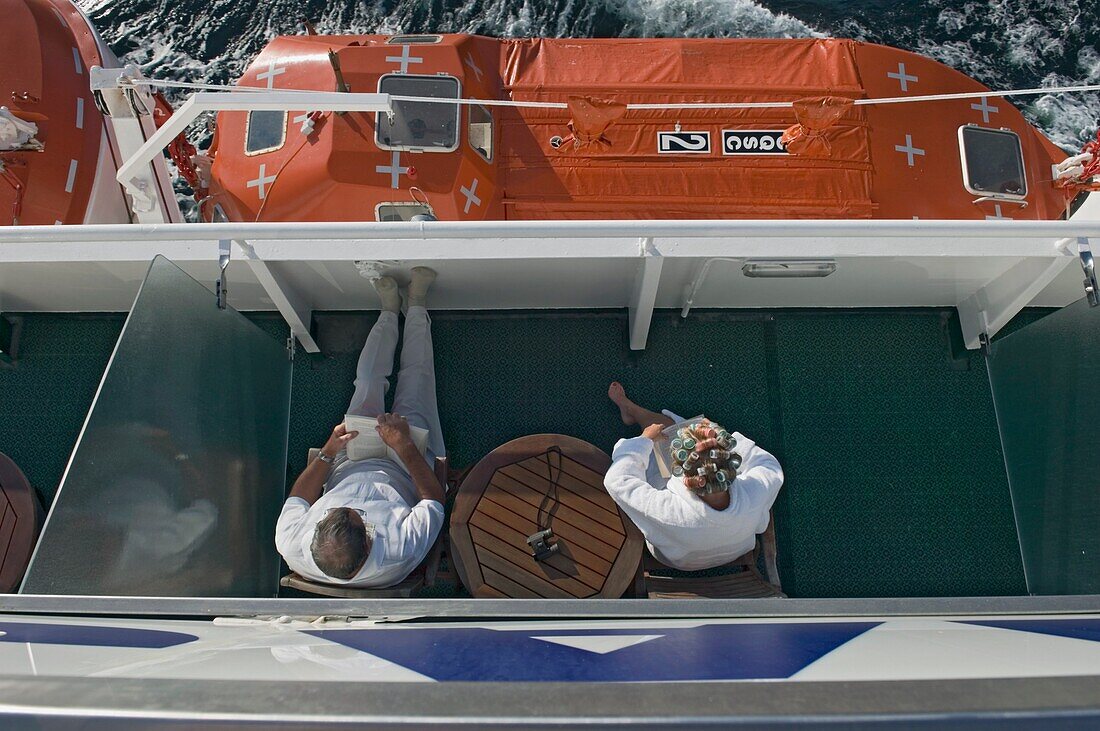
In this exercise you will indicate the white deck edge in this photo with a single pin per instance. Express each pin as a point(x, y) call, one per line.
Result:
point(983, 310)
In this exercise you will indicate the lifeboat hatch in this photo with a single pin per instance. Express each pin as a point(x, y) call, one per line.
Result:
point(413, 40)
point(480, 131)
point(265, 131)
point(419, 126)
point(993, 163)
point(390, 212)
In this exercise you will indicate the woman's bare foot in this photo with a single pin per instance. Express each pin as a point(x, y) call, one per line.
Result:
point(627, 408)
point(631, 412)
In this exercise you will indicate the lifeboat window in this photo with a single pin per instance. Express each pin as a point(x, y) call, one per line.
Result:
point(992, 162)
point(265, 132)
point(412, 40)
point(400, 211)
point(421, 126)
point(481, 131)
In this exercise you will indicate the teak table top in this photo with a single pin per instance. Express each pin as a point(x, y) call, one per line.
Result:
point(510, 494)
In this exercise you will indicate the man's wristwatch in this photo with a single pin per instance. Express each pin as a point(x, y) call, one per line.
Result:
point(326, 459)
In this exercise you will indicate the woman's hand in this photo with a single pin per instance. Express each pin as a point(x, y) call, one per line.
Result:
point(339, 439)
point(653, 432)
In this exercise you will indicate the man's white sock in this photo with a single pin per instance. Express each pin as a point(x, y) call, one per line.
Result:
point(422, 278)
point(386, 287)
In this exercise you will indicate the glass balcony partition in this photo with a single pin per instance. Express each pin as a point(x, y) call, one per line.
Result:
point(1046, 387)
point(178, 475)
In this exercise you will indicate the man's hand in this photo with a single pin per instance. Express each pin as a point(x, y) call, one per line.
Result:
point(653, 432)
point(339, 439)
point(394, 431)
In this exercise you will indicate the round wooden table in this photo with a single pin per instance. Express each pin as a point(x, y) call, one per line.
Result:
point(524, 486)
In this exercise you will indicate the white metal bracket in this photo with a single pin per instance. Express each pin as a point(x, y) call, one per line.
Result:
point(294, 308)
point(126, 106)
point(221, 286)
point(1092, 289)
point(996, 302)
point(241, 101)
point(643, 299)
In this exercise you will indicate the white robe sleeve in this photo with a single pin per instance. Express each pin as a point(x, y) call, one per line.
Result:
point(642, 502)
point(287, 540)
point(758, 481)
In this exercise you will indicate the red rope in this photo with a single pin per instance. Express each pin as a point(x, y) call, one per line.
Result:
point(1092, 167)
point(13, 180)
point(180, 150)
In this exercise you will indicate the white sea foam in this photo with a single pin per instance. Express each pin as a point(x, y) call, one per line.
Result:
point(706, 19)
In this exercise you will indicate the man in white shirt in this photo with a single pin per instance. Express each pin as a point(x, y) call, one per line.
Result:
point(371, 522)
point(683, 528)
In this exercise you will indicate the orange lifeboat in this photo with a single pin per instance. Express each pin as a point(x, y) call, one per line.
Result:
point(478, 162)
point(61, 170)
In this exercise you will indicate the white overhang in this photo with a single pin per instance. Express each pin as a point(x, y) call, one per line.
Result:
point(988, 269)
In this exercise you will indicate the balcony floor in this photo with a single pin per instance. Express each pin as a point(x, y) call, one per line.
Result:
point(895, 479)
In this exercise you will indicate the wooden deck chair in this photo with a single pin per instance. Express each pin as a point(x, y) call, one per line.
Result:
point(422, 576)
point(20, 523)
point(739, 579)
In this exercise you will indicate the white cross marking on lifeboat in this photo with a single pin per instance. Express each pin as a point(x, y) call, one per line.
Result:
point(71, 180)
point(902, 77)
point(473, 66)
point(471, 196)
point(908, 149)
point(262, 182)
point(985, 108)
point(394, 169)
point(79, 113)
point(76, 62)
point(999, 216)
point(404, 59)
point(270, 75)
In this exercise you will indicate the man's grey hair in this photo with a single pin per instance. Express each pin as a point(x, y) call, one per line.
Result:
point(341, 544)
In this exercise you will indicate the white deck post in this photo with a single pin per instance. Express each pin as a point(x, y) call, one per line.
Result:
point(130, 122)
point(291, 305)
point(644, 297)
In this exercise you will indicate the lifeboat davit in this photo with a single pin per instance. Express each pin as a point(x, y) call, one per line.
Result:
point(478, 162)
point(57, 153)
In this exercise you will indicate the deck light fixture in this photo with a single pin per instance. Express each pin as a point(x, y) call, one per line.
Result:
point(784, 269)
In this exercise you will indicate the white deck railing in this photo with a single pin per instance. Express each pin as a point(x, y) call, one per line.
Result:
point(988, 269)
point(1004, 230)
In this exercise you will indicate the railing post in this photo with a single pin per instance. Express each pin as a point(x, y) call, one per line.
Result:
point(644, 297)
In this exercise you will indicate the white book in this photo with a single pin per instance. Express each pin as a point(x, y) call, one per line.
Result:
point(368, 445)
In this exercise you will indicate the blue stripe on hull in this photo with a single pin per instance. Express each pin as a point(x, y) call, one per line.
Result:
point(76, 634)
point(707, 652)
point(1078, 629)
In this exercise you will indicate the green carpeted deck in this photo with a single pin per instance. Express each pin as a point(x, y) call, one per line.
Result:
point(895, 484)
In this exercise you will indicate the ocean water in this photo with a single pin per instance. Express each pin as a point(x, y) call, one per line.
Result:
point(1002, 43)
